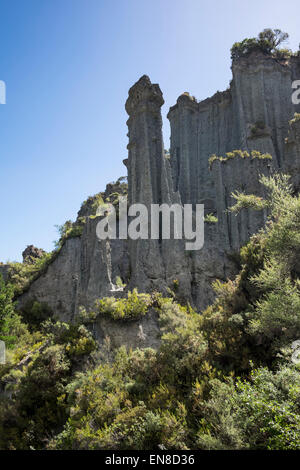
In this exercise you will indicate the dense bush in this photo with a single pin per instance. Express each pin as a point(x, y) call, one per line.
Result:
point(10, 323)
point(220, 380)
point(262, 413)
point(35, 406)
point(135, 306)
point(34, 313)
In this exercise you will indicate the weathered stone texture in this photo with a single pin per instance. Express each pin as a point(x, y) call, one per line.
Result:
point(253, 114)
point(241, 175)
point(85, 270)
point(259, 94)
point(149, 179)
point(141, 333)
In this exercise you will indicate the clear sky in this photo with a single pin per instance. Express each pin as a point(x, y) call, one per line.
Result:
point(68, 65)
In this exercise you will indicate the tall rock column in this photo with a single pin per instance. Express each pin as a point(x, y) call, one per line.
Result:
point(154, 263)
point(147, 172)
point(184, 122)
point(197, 131)
point(147, 175)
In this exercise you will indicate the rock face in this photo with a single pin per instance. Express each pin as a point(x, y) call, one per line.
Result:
point(84, 270)
point(150, 182)
point(253, 114)
point(238, 175)
point(143, 333)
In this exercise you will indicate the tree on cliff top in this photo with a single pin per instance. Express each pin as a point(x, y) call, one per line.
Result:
point(267, 42)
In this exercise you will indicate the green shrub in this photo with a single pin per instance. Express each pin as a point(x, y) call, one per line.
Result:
point(239, 154)
point(220, 380)
point(34, 313)
point(248, 201)
point(135, 306)
point(258, 414)
point(10, 322)
point(119, 283)
point(267, 42)
point(211, 219)
point(295, 118)
point(69, 230)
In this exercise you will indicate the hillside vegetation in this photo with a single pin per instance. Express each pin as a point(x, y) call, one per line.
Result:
point(220, 380)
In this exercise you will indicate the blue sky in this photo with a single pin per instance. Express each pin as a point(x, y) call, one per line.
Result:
point(68, 65)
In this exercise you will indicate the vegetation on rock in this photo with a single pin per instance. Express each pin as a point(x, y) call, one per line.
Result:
point(267, 42)
point(239, 154)
point(21, 275)
point(211, 219)
point(220, 380)
point(296, 118)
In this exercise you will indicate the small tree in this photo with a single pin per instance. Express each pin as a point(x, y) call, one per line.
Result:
point(267, 42)
point(274, 37)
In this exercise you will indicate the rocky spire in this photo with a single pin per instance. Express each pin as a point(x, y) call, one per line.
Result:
point(148, 180)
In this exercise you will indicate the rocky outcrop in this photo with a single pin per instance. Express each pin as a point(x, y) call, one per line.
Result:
point(142, 333)
point(253, 114)
point(147, 174)
point(149, 182)
point(31, 253)
point(84, 270)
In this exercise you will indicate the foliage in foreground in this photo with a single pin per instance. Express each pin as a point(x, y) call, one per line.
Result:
point(220, 380)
